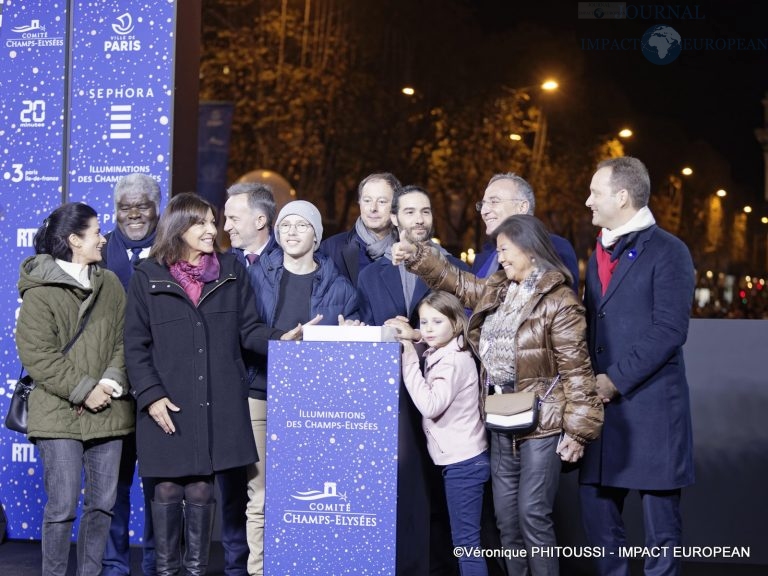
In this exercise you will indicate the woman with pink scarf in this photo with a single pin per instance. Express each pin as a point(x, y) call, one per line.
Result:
point(190, 312)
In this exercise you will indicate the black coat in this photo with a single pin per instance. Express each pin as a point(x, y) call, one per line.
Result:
point(192, 355)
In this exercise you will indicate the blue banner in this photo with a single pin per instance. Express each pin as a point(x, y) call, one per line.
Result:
point(331, 493)
point(79, 109)
point(213, 129)
point(32, 88)
point(121, 97)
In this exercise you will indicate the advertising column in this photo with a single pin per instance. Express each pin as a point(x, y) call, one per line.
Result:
point(86, 97)
point(32, 88)
point(121, 97)
point(331, 497)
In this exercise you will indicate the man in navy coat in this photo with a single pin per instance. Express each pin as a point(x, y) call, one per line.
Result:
point(137, 212)
point(639, 291)
point(385, 292)
point(249, 214)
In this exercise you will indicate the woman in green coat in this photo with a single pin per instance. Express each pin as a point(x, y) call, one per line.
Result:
point(80, 408)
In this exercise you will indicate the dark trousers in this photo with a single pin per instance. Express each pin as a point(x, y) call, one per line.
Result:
point(233, 486)
point(601, 510)
point(525, 477)
point(413, 493)
point(117, 555)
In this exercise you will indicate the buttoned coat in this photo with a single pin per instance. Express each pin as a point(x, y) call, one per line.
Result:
point(192, 355)
point(636, 334)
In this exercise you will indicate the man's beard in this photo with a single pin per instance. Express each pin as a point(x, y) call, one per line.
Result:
point(414, 237)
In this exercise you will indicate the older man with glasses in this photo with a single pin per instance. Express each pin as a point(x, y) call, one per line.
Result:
point(506, 195)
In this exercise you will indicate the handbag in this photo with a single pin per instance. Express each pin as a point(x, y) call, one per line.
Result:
point(515, 412)
point(16, 418)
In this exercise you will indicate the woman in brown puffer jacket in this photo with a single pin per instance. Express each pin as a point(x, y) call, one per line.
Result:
point(527, 327)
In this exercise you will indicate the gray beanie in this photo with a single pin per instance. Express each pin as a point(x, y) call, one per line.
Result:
point(307, 211)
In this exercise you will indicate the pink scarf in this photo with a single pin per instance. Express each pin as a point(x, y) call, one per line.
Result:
point(192, 278)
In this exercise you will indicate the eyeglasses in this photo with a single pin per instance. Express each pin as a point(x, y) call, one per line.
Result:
point(301, 227)
point(494, 201)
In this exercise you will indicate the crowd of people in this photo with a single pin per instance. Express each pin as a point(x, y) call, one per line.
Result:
point(149, 346)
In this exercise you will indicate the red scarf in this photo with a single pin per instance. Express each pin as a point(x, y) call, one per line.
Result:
point(192, 278)
point(605, 266)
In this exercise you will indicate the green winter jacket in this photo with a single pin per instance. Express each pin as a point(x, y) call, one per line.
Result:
point(53, 305)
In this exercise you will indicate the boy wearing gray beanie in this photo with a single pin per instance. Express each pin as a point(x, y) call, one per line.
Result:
point(295, 284)
point(306, 210)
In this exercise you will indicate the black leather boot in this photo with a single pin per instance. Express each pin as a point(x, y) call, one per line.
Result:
point(197, 531)
point(167, 520)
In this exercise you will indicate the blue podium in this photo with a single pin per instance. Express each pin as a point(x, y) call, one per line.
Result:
point(332, 458)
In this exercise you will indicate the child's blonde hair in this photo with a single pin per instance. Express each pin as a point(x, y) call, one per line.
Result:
point(450, 307)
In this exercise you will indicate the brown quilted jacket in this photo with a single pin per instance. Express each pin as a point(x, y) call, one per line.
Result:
point(551, 340)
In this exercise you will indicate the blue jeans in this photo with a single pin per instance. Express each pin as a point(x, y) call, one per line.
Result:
point(464, 493)
point(525, 477)
point(63, 464)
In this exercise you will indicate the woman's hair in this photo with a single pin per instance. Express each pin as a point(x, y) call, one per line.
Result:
point(53, 236)
point(182, 212)
point(532, 238)
point(450, 307)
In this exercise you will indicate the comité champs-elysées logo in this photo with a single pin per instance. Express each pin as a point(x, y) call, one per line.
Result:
point(327, 507)
point(33, 35)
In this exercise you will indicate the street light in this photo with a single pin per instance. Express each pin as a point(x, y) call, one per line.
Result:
point(408, 91)
point(687, 171)
point(721, 193)
point(540, 130)
point(611, 145)
point(763, 247)
point(540, 138)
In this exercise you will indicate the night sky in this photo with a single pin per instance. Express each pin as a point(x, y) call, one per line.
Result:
point(704, 106)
